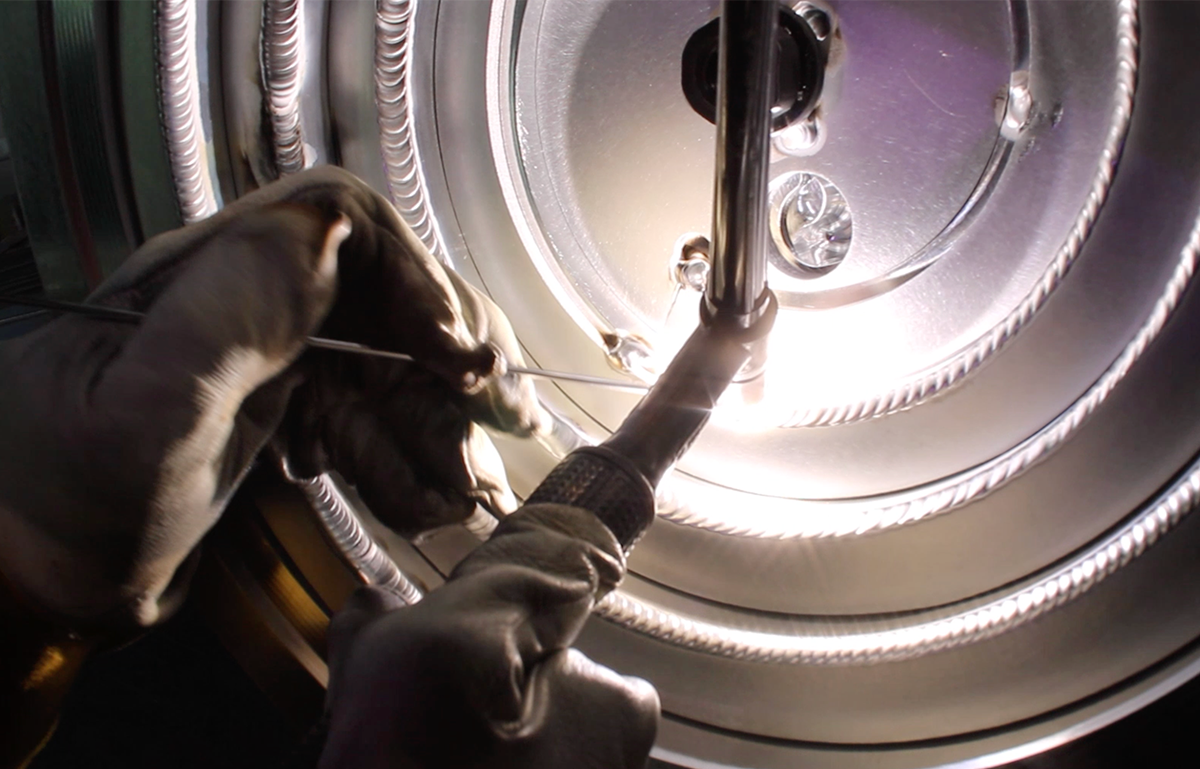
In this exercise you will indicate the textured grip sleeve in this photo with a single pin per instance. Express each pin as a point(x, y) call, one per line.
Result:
point(606, 484)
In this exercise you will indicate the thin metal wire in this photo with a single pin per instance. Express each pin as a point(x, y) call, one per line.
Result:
point(130, 316)
point(22, 317)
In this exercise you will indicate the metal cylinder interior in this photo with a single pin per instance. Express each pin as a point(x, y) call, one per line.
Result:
point(956, 528)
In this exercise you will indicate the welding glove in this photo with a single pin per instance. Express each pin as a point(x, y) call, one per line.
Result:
point(480, 673)
point(121, 444)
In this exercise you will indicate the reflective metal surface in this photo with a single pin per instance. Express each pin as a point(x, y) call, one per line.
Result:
point(811, 224)
point(746, 79)
point(1017, 509)
point(965, 501)
point(596, 163)
point(796, 464)
point(176, 43)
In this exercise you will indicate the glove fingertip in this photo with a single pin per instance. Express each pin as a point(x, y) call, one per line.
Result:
point(481, 365)
point(327, 261)
point(643, 692)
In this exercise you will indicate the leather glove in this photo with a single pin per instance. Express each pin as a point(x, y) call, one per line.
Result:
point(121, 444)
point(479, 673)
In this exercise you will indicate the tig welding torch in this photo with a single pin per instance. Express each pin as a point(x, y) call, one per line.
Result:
point(616, 479)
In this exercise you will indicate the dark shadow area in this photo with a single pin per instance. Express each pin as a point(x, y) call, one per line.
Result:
point(175, 698)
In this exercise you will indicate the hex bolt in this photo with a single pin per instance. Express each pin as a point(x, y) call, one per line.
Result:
point(690, 265)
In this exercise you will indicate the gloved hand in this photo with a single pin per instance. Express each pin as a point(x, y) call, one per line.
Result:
point(121, 444)
point(479, 673)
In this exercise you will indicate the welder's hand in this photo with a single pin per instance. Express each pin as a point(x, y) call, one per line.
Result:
point(120, 444)
point(480, 673)
point(405, 435)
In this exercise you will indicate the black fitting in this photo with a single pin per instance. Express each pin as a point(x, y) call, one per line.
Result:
point(799, 70)
point(746, 329)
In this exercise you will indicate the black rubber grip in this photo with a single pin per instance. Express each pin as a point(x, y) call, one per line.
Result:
point(605, 483)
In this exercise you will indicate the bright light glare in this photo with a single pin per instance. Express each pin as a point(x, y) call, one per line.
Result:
point(754, 407)
point(814, 359)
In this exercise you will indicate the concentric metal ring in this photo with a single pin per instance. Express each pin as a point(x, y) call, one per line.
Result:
point(914, 636)
point(774, 518)
point(854, 647)
point(912, 390)
point(701, 504)
point(181, 100)
point(921, 634)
